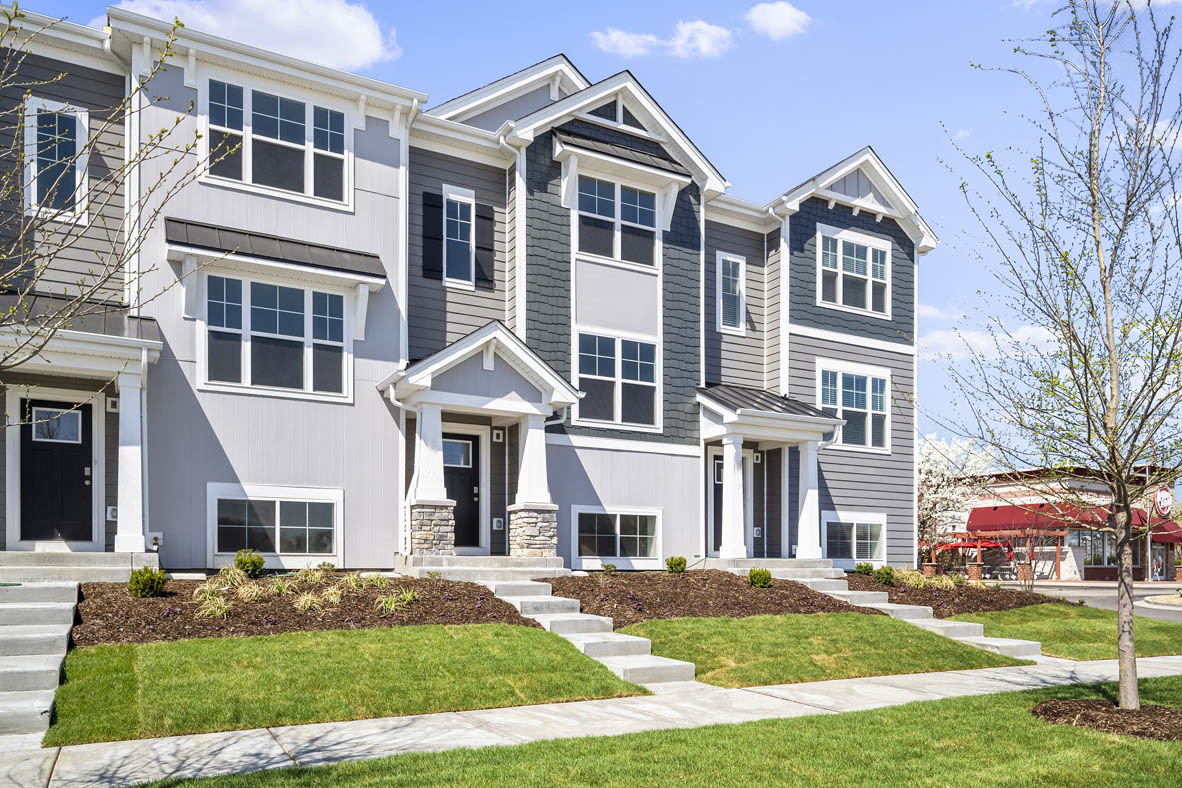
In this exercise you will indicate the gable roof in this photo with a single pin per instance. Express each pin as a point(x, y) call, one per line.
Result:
point(557, 71)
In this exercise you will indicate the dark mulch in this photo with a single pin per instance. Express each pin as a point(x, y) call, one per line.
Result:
point(632, 597)
point(109, 614)
point(954, 602)
point(1163, 723)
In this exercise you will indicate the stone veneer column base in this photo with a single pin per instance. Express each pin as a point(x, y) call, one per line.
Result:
point(533, 530)
point(433, 528)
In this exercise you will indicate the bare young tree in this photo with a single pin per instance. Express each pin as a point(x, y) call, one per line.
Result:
point(1085, 369)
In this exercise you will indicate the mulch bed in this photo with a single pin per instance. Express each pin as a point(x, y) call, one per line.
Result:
point(109, 614)
point(632, 597)
point(954, 602)
point(1163, 723)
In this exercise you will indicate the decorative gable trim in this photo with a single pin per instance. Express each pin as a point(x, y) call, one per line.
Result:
point(557, 72)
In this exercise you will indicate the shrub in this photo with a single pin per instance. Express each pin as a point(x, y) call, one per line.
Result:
point(760, 578)
point(942, 582)
point(214, 606)
point(607, 568)
point(208, 589)
point(885, 575)
point(353, 580)
point(435, 575)
point(251, 592)
point(332, 595)
point(326, 566)
point(232, 577)
point(396, 602)
point(408, 595)
point(309, 576)
point(250, 562)
point(864, 568)
point(146, 581)
point(377, 581)
point(282, 585)
point(675, 564)
point(911, 578)
point(308, 602)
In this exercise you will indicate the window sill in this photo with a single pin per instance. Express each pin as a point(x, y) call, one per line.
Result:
point(850, 563)
point(859, 449)
point(625, 264)
point(267, 191)
point(597, 562)
point(854, 310)
point(459, 284)
point(258, 391)
point(616, 425)
point(734, 332)
point(58, 217)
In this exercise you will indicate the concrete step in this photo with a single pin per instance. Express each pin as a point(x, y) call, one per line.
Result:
point(30, 672)
point(1005, 646)
point(950, 629)
point(519, 588)
point(767, 563)
point(610, 644)
point(861, 598)
point(25, 712)
point(39, 592)
point(65, 558)
point(649, 669)
point(489, 561)
point(533, 605)
point(34, 613)
point(570, 623)
point(823, 585)
point(906, 612)
point(472, 574)
point(64, 574)
point(22, 640)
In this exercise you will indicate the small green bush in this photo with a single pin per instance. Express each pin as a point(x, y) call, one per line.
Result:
point(308, 602)
point(251, 592)
point(394, 603)
point(353, 580)
point(377, 581)
point(911, 578)
point(214, 607)
point(146, 581)
point(283, 585)
point(250, 562)
point(435, 575)
point(332, 595)
point(608, 568)
point(864, 568)
point(885, 575)
point(232, 577)
point(675, 564)
point(942, 582)
point(326, 566)
point(760, 578)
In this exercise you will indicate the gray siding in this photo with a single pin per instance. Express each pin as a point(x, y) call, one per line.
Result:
point(772, 306)
point(511, 247)
point(802, 245)
point(864, 480)
point(514, 108)
point(498, 496)
point(440, 315)
point(730, 358)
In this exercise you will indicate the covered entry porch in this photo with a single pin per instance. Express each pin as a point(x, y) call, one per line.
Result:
point(761, 473)
point(476, 472)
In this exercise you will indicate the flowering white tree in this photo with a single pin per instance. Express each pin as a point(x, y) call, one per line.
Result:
point(951, 476)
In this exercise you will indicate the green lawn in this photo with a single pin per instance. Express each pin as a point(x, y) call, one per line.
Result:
point(1078, 632)
point(214, 684)
point(980, 741)
point(745, 652)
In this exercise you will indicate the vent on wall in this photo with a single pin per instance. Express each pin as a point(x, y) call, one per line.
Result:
point(112, 404)
point(498, 434)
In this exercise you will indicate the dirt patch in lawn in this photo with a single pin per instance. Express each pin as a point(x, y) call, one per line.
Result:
point(632, 597)
point(109, 614)
point(951, 602)
point(1163, 723)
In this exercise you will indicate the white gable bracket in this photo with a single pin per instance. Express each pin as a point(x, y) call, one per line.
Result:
point(362, 309)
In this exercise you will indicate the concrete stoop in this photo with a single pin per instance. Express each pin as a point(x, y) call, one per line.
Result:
point(35, 623)
point(50, 566)
point(628, 656)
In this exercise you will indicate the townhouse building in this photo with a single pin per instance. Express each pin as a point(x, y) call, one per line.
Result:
point(528, 321)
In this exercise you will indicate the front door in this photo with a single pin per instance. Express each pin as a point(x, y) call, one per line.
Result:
point(461, 477)
point(56, 492)
point(1158, 552)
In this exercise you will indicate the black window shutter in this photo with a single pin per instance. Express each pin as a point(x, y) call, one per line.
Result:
point(485, 243)
point(432, 235)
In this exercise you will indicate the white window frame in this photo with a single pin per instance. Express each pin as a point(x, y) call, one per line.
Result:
point(870, 241)
point(282, 90)
point(619, 380)
point(245, 387)
point(467, 443)
point(618, 222)
point(460, 194)
point(77, 414)
point(870, 372)
point(621, 562)
point(854, 518)
point(741, 329)
point(269, 492)
point(79, 213)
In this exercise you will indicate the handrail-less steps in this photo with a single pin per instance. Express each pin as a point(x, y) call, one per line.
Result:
point(35, 623)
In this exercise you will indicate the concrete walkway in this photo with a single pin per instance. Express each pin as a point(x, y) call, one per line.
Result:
point(676, 705)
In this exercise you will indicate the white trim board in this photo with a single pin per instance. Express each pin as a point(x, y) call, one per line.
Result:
point(851, 339)
point(621, 444)
point(621, 562)
point(333, 495)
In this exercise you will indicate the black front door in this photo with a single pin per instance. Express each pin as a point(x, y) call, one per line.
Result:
point(461, 476)
point(716, 480)
point(56, 493)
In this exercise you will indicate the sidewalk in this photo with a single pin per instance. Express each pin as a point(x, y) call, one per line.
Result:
point(677, 705)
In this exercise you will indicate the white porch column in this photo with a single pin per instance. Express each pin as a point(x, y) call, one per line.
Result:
point(808, 528)
point(734, 522)
point(533, 482)
point(429, 484)
point(129, 533)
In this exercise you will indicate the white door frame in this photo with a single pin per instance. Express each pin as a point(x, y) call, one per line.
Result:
point(748, 500)
point(12, 469)
point(485, 434)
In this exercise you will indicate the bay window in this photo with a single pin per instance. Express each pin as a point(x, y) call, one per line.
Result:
point(854, 271)
point(619, 379)
point(617, 221)
point(275, 149)
point(860, 399)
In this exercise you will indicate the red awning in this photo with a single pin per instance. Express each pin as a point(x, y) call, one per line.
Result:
point(1051, 517)
point(1167, 532)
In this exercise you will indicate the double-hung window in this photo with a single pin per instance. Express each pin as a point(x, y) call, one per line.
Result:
point(860, 399)
point(730, 293)
point(850, 539)
point(617, 221)
point(459, 248)
point(288, 145)
point(55, 151)
point(628, 535)
point(854, 272)
point(619, 379)
point(273, 336)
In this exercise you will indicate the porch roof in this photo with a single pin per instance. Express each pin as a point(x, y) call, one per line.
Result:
point(763, 415)
point(745, 398)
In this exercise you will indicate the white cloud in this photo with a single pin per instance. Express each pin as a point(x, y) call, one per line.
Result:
point(777, 20)
point(690, 39)
point(961, 134)
point(335, 33)
point(623, 43)
point(933, 312)
point(700, 39)
point(954, 345)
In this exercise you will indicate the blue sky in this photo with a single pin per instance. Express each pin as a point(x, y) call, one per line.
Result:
point(771, 99)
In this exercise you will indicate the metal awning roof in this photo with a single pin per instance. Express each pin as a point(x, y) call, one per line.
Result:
point(621, 152)
point(746, 398)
